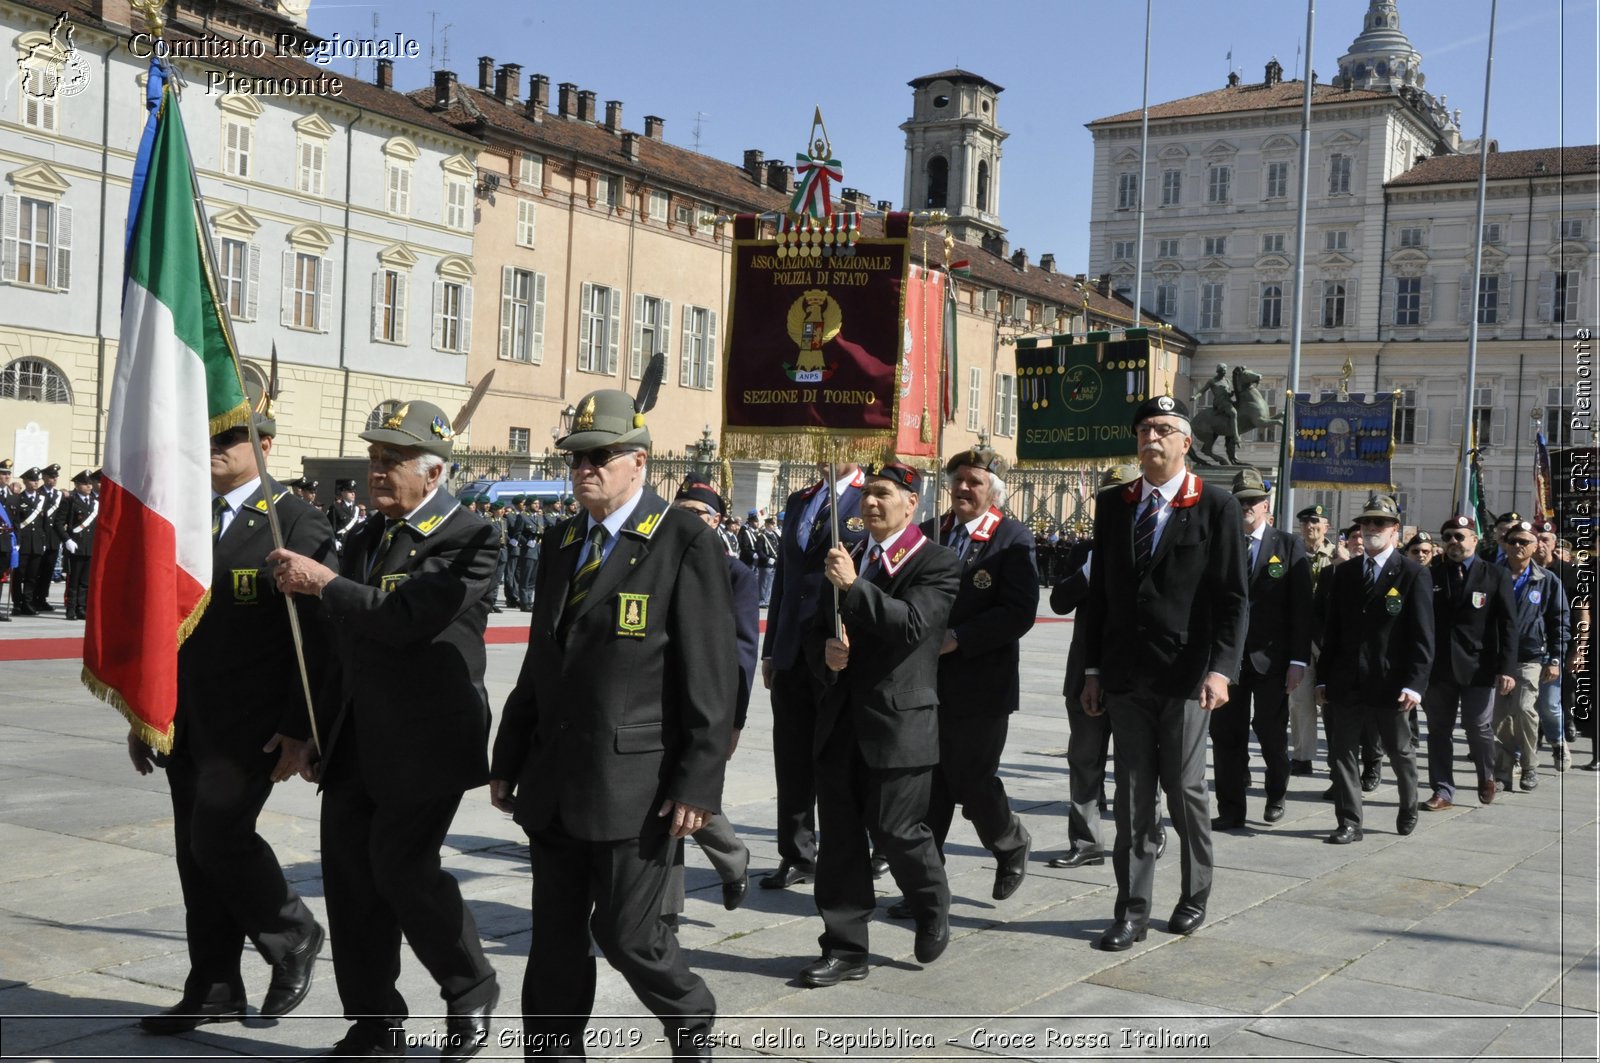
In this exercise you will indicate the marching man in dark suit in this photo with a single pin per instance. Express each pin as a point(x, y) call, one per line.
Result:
point(877, 735)
point(1475, 655)
point(6, 532)
point(1377, 651)
point(343, 514)
point(242, 725)
point(614, 741)
point(407, 610)
point(1164, 629)
point(77, 526)
point(1277, 648)
point(798, 592)
point(32, 531)
point(979, 658)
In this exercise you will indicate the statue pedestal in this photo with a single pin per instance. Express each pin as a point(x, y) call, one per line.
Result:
point(752, 486)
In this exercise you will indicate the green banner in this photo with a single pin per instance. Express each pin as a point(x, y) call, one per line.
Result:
point(1075, 400)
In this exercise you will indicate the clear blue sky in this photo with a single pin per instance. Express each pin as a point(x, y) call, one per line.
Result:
point(753, 72)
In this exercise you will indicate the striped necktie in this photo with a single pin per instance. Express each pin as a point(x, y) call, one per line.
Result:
point(1372, 573)
point(219, 506)
point(1144, 532)
point(583, 579)
point(375, 558)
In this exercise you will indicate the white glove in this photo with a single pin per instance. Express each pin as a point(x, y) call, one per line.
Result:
point(72, 547)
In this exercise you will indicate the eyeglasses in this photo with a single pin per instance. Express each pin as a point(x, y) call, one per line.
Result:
point(1455, 537)
point(599, 457)
point(1519, 543)
point(232, 437)
point(1160, 431)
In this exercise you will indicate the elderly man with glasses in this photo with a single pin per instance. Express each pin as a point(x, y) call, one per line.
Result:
point(1540, 610)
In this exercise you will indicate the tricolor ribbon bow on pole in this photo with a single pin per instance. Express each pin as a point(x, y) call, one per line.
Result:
point(814, 196)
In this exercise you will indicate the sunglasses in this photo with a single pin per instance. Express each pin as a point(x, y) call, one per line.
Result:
point(599, 457)
point(232, 437)
point(1455, 537)
point(1519, 542)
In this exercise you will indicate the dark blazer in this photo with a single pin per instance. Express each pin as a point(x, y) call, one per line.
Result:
point(409, 636)
point(747, 625)
point(35, 538)
point(1280, 604)
point(994, 607)
point(1065, 597)
point(238, 683)
point(1475, 634)
point(634, 702)
point(1184, 614)
point(896, 624)
point(1372, 650)
point(75, 524)
point(342, 519)
point(797, 585)
point(1540, 617)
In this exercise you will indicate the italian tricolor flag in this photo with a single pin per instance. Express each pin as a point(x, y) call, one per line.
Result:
point(177, 383)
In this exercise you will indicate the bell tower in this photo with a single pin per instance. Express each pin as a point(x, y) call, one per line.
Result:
point(953, 152)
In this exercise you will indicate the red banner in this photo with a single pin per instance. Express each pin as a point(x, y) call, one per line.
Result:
point(920, 361)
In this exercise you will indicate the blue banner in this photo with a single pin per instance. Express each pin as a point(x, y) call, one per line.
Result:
point(1340, 444)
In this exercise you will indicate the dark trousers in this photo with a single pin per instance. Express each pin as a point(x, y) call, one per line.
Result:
point(1345, 723)
point(233, 888)
point(612, 889)
point(500, 566)
point(527, 567)
point(1159, 739)
point(27, 590)
point(794, 727)
point(509, 579)
point(854, 801)
point(1088, 743)
point(1259, 699)
point(728, 856)
point(1476, 705)
point(43, 573)
point(77, 592)
point(383, 877)
point(969, 757)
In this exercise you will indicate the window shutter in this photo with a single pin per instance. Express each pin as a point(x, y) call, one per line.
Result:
point(1497, 427)
point(1390, 299)
point(711, 349)
point(438, 316)
point(286, 303)
point(1547, 295)
point(664, 332)
point(8, 237)
point(1468, 303)
point(252, 283)
point(613, 328)
point(1507, 291)
point(325, 294)
point(1425, 310)
point(464, 333)
point(585, 300)
point(538, 319)
point(636, 355)
point(684, 368)
point(245, 137)
point(63, 248)
point(377, 305)
point(508, 281)
point(1457, 420)
point(1350, 303)
point(402, 288)
point(1420, 420)
point(1574, 294)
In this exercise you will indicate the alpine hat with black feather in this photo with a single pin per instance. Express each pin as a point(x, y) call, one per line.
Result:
point(612, 418)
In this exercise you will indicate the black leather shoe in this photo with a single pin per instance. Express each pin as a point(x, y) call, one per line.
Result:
point(24, 610)
point(693, 1043)
point(1012, 868)
point(188, 1014)
point(830, 970)
point(44, 607)
point(733, 892)
point(932, 938)
point(1161, 843)
point(467, 1032)
point(495, 609)
point(880, 866)
point(1369, 782)
point(370, 1039)
point(1344, 835)
point(1079, 858)
point(1121, 935)
point(1406, 823)
point(788, 874)
point(1227, 823)
point(1300, 767)
point(291, 977)
point(901, 910)
point(1274, 811)
point(1186, 918)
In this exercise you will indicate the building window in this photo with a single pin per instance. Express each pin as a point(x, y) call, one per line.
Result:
point(1219, 184)
point(1270, 391)
point(1272, 306)
point(658, 206)
point(938, 182)
point(239, 268)
point(40, 112)
point(452, 316)
point(1127, 191)
point(1491, 232)
point(1409, 423)
point(521, 440)
point(236, 138)
point(1168, 248)
point(983, 185)
point(1215, 246)
point(652, 331)
point(33, 380)
point(1333, 293)
point(1005, 404)
point(1558, 416)
point(1211, 305)
point(526, 223)
point(399, 187)
point(599, 328)
point(683, 214)
point(457, 198)
point(1338, 175)
point(36, 243)
point(307, 288)
point(522, 315)
point(1277, 180)
point(1572, 228)
point(1483, 416)
point(1166, 299)
point(1171, 187)
point(1272, 243)
point(1411, 236)
point(313, 160)
point(1565, 295)
point(1488, 299)
point(974, 398)
point(1336, 240)
point(389, 306)
point(1122, 249)
point(697, 358)
point(1408, 301)
point(530, 171)
point(606, 192)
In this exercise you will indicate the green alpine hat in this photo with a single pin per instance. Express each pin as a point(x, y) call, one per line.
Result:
point(417, 424)
point(1380, 507)
point(1248, 486)
point(605, 419)
point(1125, 473)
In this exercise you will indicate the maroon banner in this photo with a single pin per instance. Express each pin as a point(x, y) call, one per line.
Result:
point(813, 344)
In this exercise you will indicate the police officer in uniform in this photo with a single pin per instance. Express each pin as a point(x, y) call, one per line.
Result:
point(53, 517)
point(534, 525)
point(7, 536)
point(342, 513)
point(1321, 554)
point(79, 511)
point(512, 518)
point(32, 531)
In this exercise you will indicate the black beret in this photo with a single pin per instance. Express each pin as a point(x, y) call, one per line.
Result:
point(900, 473)
point(1508, 518)
point(1315, 512)
point(697, 490)
point(1160, 406)
point(1418, 539)
point(1542, 526)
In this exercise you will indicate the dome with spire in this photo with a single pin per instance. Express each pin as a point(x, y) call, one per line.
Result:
point(1382, 56)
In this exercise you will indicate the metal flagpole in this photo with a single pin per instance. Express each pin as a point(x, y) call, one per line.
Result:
point(833, 523)
point(1296, 325)
point(1144, 172)
point(1464, 477)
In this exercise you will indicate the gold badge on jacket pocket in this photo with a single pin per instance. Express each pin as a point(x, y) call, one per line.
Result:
point(982, 580)
point(245, 586)
point(633, 611)
point(392, 581)
point(1391, 602)
point(1275, 567)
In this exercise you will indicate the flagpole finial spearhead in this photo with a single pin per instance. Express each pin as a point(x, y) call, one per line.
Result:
point(151, 10)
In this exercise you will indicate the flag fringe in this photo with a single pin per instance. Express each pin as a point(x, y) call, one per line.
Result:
point(238, 417)
point(1329, 485)
point(1074, 464)
point(813, 443)
point(161, 743)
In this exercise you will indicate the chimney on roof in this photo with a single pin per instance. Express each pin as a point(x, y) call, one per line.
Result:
point(566, 99)
point(500, 87)
point(1020, 259)
point(444, 86)
point(485, 73)
point(886, 205)
point(512, 72)
point(538, 96)
point(1102, 284)
point(653, 125)
point(385, 79)
point(613, 116)
point(1274, 72)
point(630, 146)
point(1233, 79)
point(586, 110)
point(779, 175)
point(753, 163)
point(115, 13)
point(1047, 262)
point(996, 245)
